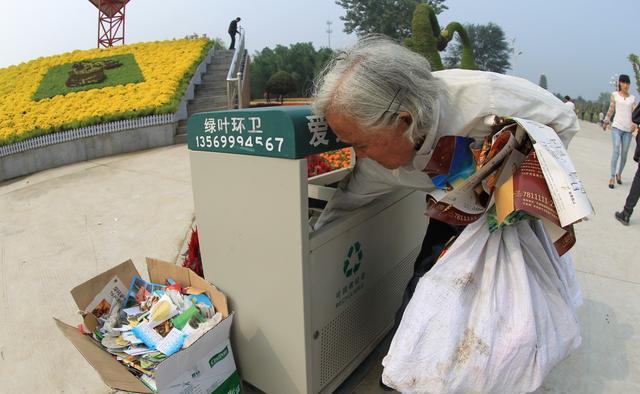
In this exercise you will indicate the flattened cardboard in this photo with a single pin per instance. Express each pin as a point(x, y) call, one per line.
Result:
point(218, 298)
point(173, 367)
point(83, 294)
point(160, 270)
point(111, 371)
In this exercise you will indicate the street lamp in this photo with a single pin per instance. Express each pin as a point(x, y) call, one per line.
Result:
point(515, 53)
point(329, 31)
point(614, 82)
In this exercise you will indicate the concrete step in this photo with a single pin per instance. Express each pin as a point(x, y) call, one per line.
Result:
point(210, 95)
point(207, 107)
point(180, 139)
point(198, 100)
point(209, 92)
point(218, 67)
point(215, 76)
point(220, 83)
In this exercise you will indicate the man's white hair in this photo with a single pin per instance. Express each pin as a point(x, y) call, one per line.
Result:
point(375, 80)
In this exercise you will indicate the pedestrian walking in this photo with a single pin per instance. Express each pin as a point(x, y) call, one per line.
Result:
point(569, 103)
point(634, 194)
point(623, 104)
point(600, 119)
point(233, 30)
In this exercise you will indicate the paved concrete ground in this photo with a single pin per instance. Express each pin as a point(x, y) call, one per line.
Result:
point(60, 227)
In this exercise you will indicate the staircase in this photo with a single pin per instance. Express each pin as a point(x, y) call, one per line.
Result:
point(211, 94)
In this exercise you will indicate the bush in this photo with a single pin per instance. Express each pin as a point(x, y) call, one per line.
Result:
point(281, 83)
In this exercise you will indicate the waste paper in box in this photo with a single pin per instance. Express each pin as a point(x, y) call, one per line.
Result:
point(207, 365)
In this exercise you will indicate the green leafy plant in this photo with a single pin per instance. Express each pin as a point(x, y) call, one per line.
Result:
point(635, 63)
point(390, 17)
point(281, 83)
point(55, 81)
point(543, 81)
point(428, 39)
point(301, 60)
point(491, 51)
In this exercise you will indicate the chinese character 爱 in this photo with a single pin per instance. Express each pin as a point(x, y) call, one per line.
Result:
point(318, 128)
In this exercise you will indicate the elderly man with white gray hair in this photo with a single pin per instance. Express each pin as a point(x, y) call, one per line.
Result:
point(383, 100)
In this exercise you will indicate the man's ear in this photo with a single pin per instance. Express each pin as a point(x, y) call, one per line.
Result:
point(406, 118)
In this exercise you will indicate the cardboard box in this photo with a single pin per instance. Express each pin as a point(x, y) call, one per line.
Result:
point(206, 366)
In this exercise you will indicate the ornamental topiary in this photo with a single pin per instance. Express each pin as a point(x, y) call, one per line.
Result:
point(427, 39)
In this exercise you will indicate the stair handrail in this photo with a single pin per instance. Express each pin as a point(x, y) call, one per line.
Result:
point(234, 76)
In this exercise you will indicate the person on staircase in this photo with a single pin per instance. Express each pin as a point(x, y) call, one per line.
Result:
point(233, 30)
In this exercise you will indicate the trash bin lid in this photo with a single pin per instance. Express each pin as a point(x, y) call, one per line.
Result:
point(290, 132)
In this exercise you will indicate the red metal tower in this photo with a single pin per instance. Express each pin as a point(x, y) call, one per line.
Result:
point(110, 21)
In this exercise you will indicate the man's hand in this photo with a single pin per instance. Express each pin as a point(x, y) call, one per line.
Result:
point(605, 124)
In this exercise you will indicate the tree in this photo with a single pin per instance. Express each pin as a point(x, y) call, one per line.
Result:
point(490, 48)
point(281, 83)
point(635, 64)
point(301, 60)
point(543, 81)
point(427, 39)
point(389, 17)
point(218, 43)
point(424, 30)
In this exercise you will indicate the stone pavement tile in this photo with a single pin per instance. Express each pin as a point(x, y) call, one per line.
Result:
point(42, 176)
point(60, 232)
point(609, 358)
point(371, 383)
point(604, 246)
point(170, 162)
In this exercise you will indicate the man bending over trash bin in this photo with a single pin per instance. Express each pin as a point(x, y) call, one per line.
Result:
point(383, 100)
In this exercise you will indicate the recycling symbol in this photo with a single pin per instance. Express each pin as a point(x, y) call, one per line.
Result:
point(353, 260)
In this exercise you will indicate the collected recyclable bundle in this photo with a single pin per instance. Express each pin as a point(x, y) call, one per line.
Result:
point(141, 324)
point(498, 310)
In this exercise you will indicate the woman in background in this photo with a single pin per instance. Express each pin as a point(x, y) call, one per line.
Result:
point(621, 128)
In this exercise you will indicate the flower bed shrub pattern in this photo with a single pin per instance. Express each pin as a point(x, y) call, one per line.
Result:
point(89, 74)
point(165, 69)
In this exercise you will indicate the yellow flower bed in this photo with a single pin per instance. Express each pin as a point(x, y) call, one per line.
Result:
point(166, 66)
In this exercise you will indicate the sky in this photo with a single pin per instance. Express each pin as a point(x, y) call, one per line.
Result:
point(578, 44)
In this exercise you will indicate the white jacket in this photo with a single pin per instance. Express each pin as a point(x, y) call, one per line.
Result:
point(469, 97)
